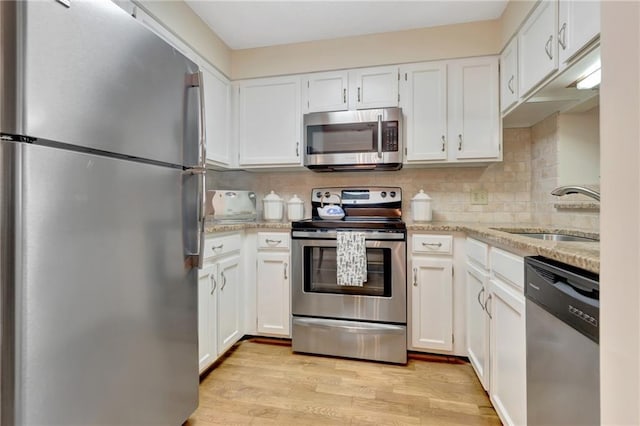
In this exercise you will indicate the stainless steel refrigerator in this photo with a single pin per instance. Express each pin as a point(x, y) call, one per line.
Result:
point(101, 179)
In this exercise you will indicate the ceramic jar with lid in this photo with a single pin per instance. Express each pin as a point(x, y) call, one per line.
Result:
point(273, 207)
point(295, 208)
point(421, 207)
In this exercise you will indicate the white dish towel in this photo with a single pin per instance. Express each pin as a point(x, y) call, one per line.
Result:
point(351, 254)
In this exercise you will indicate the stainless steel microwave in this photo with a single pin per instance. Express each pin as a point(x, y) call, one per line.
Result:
point(353, 140)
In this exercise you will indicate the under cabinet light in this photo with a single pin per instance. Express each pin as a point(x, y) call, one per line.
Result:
point(590, 81)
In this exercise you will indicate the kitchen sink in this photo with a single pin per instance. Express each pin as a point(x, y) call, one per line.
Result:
point(553, 236)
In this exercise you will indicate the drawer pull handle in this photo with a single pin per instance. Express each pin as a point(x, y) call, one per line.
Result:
point(270, 241)
point(432, 245)
point(415, 277)
point(285, 270)
point(217, 247)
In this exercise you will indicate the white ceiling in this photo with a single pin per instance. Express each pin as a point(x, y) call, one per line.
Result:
point(246, 24)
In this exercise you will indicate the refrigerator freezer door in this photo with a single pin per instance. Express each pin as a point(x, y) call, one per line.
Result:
point(90, 75)
point(105, 307)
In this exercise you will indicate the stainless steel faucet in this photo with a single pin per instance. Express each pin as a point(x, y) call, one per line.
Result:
point(569, 189)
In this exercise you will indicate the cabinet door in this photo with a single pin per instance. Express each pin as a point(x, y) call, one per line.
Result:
point(326, 91)
point(373, 87)
point(579, 23)
point(270, 121)
point(207, 316)
point(229, 302)
point(509, 75)
point(474, 113)
point(432, 303)
point(217, 103)
point(274, 312)
point(508, 353)
point(477, 322)
point(538, 46)
point(424, 104)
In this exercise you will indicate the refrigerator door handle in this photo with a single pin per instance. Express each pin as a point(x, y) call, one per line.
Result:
point(197, 80)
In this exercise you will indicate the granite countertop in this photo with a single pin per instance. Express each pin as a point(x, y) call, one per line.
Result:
point(213, 227)
point(585, 255)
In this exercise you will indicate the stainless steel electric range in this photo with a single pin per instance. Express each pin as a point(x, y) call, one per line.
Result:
point(365, 322)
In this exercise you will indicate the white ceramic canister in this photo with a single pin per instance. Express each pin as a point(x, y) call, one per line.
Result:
point(421, 207)
point(295, 208)
point(273, 207)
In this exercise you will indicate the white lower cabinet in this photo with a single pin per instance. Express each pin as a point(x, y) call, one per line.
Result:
point(496, 334)
point(477, 322)
point(207, 317)
point(508, 353)
point(273, 284)
point(229, 302)
point(431, 293)
point(219, 298)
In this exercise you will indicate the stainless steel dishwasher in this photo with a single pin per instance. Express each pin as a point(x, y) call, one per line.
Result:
point(563, 371)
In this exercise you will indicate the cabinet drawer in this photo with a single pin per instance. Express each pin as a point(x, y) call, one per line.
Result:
point(440, 244)
point(478, 252)
point(273, 240)
point(219, 245)
point(508, 266)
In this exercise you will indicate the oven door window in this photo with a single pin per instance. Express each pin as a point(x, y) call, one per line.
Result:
point(320, 272)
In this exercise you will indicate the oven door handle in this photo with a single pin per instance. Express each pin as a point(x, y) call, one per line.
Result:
point(348, 326)
point(380, 136)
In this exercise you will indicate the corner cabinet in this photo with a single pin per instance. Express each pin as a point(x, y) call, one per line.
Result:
point(509, 75)
point(273, 284)
point(478, 325)
point(496, 334)
point(451, 111)
point(269, 122)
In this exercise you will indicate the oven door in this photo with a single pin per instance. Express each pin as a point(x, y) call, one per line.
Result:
point(315, 292)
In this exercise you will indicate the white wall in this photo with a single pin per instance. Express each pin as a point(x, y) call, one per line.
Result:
point(448, 41)
point(620, 214)
point(182, 21)
point(579, 148)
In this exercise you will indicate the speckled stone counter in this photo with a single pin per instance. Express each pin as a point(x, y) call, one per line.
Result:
point(213, 227)
point(585, 255)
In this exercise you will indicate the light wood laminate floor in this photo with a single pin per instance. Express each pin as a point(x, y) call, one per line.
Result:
point(262, 382)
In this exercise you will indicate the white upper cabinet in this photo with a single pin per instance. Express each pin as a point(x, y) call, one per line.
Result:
point(424, 105)
point(354, 89)
point(474, 113)
point(270, 122)
point(326, 91)
point(451, 111)
point(538, 47)
point(373, 87)
point(509, 75)
point(578, 24)
point(217, 104)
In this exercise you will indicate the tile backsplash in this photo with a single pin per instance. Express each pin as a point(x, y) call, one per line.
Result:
point(512, 185)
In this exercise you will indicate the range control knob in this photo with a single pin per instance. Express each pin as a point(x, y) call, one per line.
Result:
point(383, 194)
point(327, 194)
point(393, 194)
point(318, 194)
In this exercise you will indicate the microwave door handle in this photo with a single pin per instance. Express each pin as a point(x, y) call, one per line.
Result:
point(379, 135)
